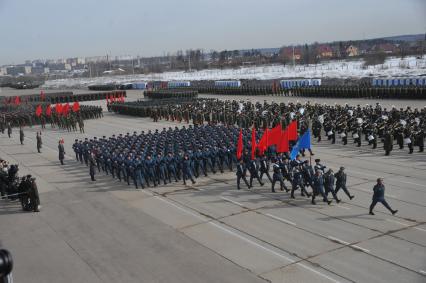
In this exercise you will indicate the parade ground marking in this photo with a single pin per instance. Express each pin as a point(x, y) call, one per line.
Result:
point(281, 219)
point(397, 222)
point(344, 207)
point(410, 183)
point(361, 249)
point(234, 202)
point(420, 229)
point(338, 240)
point(348, 244)
point(422, 272)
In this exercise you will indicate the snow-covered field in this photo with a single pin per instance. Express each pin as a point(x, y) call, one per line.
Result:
point(393, 67)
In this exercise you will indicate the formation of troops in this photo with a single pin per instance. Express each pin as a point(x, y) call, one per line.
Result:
point(71, 121)
point(165, 93)
point(368, 124)
point(62, 97)
point(337, 91)
point(25, 116)
point(184, 154)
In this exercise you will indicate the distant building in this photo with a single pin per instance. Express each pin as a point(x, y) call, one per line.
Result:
point(27, 69)
point(352, 51)
point(96, 59)
point(288, 53)
point(324, 51)
point(15, 70)
point(57, 66)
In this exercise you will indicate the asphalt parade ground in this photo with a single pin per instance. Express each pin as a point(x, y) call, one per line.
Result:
point(106, 231)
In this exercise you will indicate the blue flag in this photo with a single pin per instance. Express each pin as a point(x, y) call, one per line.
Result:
point(303, 143)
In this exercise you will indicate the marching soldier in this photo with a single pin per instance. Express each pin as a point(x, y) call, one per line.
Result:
point(241, 174)
point(387, 142)
point(254, 173)
point(264, 168)
point(278, 177)
point(379, 196)
point(341, 178)
point(318, 187)
point(329, 184)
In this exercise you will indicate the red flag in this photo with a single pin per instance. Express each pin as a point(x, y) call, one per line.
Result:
point(76, 107)
point(17, 100)
point(122, 98)
point(66, 109)
point(58, 109)
point(48, 110)
point(292, 131)
point(283, 144)
point(275, 135)
point(240, 145)
point(263, 143)
point(38, 111)
point(253, 143)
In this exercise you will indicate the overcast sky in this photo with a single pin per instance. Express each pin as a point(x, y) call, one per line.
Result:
point(32, 29)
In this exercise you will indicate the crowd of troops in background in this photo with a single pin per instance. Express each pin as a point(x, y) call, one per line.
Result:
point(337, 91)
point(369, 124)
point(152, 158)
point(24, 116)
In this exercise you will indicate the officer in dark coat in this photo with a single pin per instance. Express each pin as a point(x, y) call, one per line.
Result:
point(264, 168)
point(254, 173)
point(318, 187)
point(379, 196)
point(39, 141)
point(387, 142)
point(92, 166)
point(277, 176)
point(297, 182)
point(61, 150)
point(241, 174)
point(75, 148)
point(341, 178)
point(329, 184)
point(21, 135)
point(33, 194)
point(9, 129)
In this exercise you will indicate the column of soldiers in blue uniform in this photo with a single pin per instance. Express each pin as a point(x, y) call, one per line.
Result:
point(363, 124)
point(153, 158)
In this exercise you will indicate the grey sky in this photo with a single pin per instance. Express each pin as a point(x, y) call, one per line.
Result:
point(31, 29)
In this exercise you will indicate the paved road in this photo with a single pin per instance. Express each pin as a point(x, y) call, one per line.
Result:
point(210, 232)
